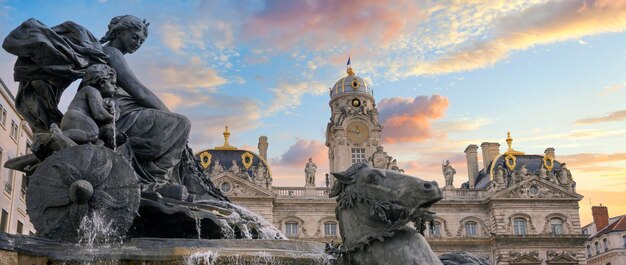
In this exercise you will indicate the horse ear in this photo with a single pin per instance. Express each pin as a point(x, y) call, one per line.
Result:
point(343, 177)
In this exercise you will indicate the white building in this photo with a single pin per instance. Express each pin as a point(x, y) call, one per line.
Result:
point(606, 244)
point(15, 140)
point(518, 209)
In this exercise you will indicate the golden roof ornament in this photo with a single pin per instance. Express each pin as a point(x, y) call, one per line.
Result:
point(509, 142)
point(350, 71)
point(226, 146)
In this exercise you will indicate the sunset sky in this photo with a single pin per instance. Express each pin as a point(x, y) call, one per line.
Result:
point(454, 72)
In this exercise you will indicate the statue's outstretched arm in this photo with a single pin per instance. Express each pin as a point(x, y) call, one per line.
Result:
point(127, 80)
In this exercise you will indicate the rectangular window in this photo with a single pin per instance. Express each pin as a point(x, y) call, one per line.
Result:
point(3, 115)
point(4, 220)
point(520, 226)
point(471, 228)
point(330, 229)
point(14, 130)
point(24, 186)
point(8, 180)
point(20, 227)
point(435, 230)
point(291, 228)
point(358, 155)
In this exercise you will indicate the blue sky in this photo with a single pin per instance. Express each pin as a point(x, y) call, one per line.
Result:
point(551, 72)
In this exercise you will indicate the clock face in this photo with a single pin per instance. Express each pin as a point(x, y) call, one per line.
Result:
point(357, 132)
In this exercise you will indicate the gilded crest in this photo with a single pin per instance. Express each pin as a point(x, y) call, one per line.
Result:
point(548, 162)
point(205, 159)
point(246, 160)
point(510, 161)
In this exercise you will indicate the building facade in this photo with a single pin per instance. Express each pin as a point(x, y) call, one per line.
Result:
point(15, 140)
point(517, 209)
point(606, 242)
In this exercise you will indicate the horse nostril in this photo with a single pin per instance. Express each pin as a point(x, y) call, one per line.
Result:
point(427, 185)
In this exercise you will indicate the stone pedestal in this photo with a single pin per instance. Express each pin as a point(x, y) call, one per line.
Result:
point(309, 191)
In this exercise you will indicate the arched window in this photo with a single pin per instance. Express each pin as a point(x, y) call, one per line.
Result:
point(291, 228)
point(606, 244)
point(556, 226)
point(330, 228)
point(624, 239)
point(471, 228)
point(597, 248)
point(435, 229)
point(588, 251)
point(519, 225)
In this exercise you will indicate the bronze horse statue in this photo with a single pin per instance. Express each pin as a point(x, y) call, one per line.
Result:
point(374, 209)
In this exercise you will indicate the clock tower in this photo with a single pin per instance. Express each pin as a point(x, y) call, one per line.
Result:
point(353, 133)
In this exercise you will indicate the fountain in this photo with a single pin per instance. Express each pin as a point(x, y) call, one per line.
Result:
point(112, 181)
point(116, 183)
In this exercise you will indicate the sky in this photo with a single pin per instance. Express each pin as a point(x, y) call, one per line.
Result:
point(453, 72)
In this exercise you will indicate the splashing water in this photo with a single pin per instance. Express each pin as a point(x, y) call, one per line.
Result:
point(114, 126)
point(204, 258)
point(244, 220)
point(198, 224)
point(95, 228)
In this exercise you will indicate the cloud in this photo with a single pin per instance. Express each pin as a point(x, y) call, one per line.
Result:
point(547, 23)
point(409, 120)
point(171, 100)
point(172, 36)
point(213, 112)
point(287, 96)
point(619, 115)
point(327, 23)
point(462, 125)
point(592, 161)
point(612, 89)
point(299, 153)
point(169, 75)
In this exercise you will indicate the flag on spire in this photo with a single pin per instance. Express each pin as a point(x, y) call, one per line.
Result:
point(348, 64)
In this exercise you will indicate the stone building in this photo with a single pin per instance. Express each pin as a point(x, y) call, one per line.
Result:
point(245, 177)
point(606, 242)
point(15, 140)
point(517, 209)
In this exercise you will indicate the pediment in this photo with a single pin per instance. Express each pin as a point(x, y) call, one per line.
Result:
point(563, 259)
point(536, 188)
point(240, 187)
point(526, 259)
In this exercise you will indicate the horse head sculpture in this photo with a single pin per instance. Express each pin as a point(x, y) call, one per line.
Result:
point(374, 208)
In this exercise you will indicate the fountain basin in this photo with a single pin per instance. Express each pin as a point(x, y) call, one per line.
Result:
point(21, 249)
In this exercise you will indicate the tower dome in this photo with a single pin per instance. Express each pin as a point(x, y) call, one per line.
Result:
point(350, 85)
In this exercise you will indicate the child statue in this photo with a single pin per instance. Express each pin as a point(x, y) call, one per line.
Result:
point(89, 117)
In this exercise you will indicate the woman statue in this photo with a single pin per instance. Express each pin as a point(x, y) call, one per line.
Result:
point(156, 137)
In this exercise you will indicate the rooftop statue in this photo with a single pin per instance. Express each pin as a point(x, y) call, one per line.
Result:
point(309, 170)
point(448, 173)
point(159, 173)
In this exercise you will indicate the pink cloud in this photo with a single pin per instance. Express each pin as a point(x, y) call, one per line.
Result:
point(619, 115)
point(547, 23)
point(321, 24)
point(409, 120)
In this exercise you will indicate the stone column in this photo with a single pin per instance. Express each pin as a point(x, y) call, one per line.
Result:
point(471, 153)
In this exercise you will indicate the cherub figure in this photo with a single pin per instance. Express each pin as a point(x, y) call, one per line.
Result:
point(89, 117)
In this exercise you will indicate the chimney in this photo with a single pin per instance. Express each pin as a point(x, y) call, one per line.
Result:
point(550, 152)
point(600, 216)
point(486, 154)
point(471, 153)
point(263, 147)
